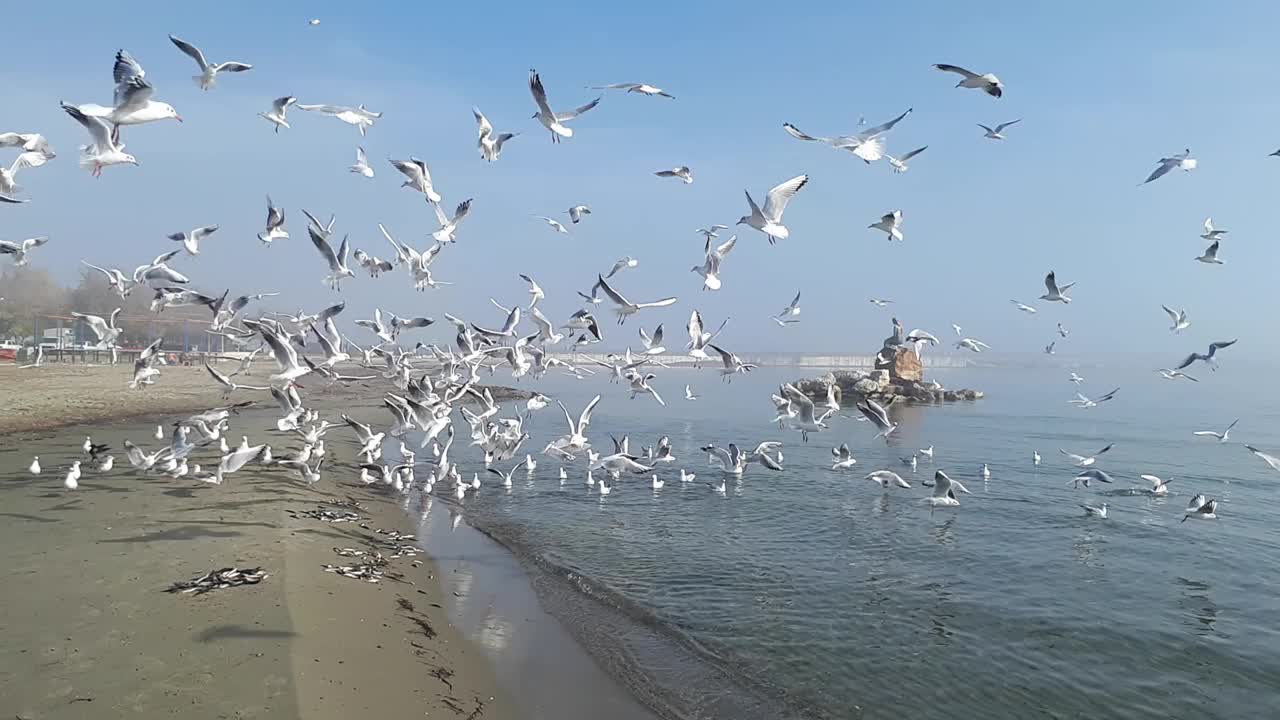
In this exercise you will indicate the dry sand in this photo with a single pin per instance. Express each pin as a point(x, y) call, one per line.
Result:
point(88, 631)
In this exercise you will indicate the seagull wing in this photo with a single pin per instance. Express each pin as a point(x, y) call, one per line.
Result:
point(967, 74)
point(796, 133)
point(325, 249)
point(1051, 283)
point(613, 294)
point(192, 51)
point(1004, 125)
point(585, 418)
point(562, 116)
point(776, 201)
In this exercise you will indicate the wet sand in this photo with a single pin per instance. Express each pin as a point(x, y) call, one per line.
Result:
point(90, 633)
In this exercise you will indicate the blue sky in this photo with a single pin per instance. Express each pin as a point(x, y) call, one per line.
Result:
point(1104, 91)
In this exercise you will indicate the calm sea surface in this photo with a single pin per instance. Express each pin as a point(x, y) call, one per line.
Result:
point(812, 593)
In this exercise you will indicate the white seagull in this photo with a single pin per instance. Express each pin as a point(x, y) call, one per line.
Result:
point(1201, 508)
point(1210, 256)
point(277, 115)
point(1223, 436)
point(683, 172)
point(275, 224)
point(419, 177)
point(1097, 511)
point(1024, 308)
point(987, 83)
point(790, 312)
point(1210, 232)
point(887, 479)
point(891, 224)
point(191, 240)
point(844, 458)
point(19, 250)
point(625, 307)
point(105, 150)
point(553, 224)
point(1085, 461)
point(769, 219)
point(1158, 486)
point(642, 88)
point(449, 225)
point(553, 121)
point(995, 134)
point(972, 344)
point(1207, 358)
point(625, 263)
point(337, 261)
point(489, 142)
point(1270, 460)
point(132, 103)
point(944, 490)
point(1081, 401)
point(879, 416)
point(359, 116)
point(899, 164)
point(362, 166)
point(208, 73)
point(1178, 318)
point(1091, 475)
point(1182, 161)
point(576, 212)
point(1054, 292)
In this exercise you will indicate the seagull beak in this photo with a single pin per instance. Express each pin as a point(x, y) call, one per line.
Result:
point(178, 118)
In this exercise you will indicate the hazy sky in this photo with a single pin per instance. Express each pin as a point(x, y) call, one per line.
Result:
point(1105, 90)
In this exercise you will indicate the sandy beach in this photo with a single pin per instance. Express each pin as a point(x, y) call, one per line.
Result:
point(91, 633)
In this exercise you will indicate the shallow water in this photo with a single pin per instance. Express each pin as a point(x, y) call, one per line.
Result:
point(811, 593)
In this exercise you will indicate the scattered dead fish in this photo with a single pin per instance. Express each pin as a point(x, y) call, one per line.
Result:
point(219, 580)
point(326, 515)
point(368, 572)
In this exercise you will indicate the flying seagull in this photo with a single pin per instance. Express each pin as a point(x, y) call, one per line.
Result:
point(944, 490)
point(551, 120)
point(1270, 460)
point(1207, 358)
point(1179, 319)
point(642, 88)
point(987, 83)
point(1081, 401)
point(1223, 436)
point(489, 142)
point(891, 224)
point(105, 150)
point(625, 306)
point(1182, 160)
point(899, 164)
point(1083, 460)
point(1210, 256)
point(995, 134)
point(1024, 308)
point(208, 73)
point(553, 224)
point(337, 261)
point(1210, 232)
point(419, 177)
point(19, 250)
point(1054, 292)
point(683, 172)
point(359, 116)
point(362, 166)
point(275, 224)
point(279, 109)
point(191, 240)
point(576, 212)
point(769, 219)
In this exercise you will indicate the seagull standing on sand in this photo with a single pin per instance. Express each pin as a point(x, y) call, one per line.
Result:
point(769, 219)
point(1223, 436)
point(1054, 292)
point(277, 115)
point(1182, 161)
point(987, 83)
point(995, 134)
point(551, 120)
point(208, 72)
point(891, 224)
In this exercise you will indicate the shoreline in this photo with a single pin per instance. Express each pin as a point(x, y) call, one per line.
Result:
point(93, 631)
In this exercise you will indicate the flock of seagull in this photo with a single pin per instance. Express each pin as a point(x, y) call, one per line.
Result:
point(430, 385)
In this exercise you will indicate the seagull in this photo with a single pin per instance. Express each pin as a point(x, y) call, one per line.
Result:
point(868, 144)
point(277, 114)
point(105, 150)
point(1083, 402)
point(1201, 508)
point(489, 142)
point(337, 261)
point(1098, 511)
point(625, 263)
point(769, 220)
point(576, 212)
point(553, 121)
point(1085, 461)
point(732, 364)
point(1024, 308)
point(1168, 374)
point(1223, 436)
point(640, 384)
point(359, 116)
point(576, 439)
point(105, 330)
point(362, 166)
point(1179, 319)
point(132, 103)
point(807, 420)
point(28, 142)
point(988, 83)
point(683, 172)
point(699, 339)
point(626, 307)
point(34, 467)
point(879, 416)
point(144, 371)
point(16, 201)
point(642, 88)
point(19, 250)
point(996, 133)
point(191, 240)
point(972, 344)
point(899, 164)
point(1182, 160)
point(887, 479)
point(553, 224)
point(419, 177)
point(734, 462)
point(790, 311)
point(890, 223)
point(957, 328)
point(652, 344)
point(275, 224)
point(1048, 349)
point(1207, 358)
point(710, 267)
point(449, 225)
point(1210, 232)
point(228, 385)
point(1089, 476)
point(1035, 458)
point(1158, 486)
point(1271, 460)
point(1062, 332)
point(688, 393)
point(944, 490)
point(878, 302)
point(1054, 293)
point(711, 233)
point(72, 480)
point(1075, 379)
point(1210, 256)
point(843, 458)
point(208, 73)
point(285, 355)
point(8, 176)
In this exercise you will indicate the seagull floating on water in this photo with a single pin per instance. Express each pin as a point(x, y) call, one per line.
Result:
point(1201, 508)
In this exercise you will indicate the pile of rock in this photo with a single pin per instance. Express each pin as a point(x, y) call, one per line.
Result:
point(882, 386)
